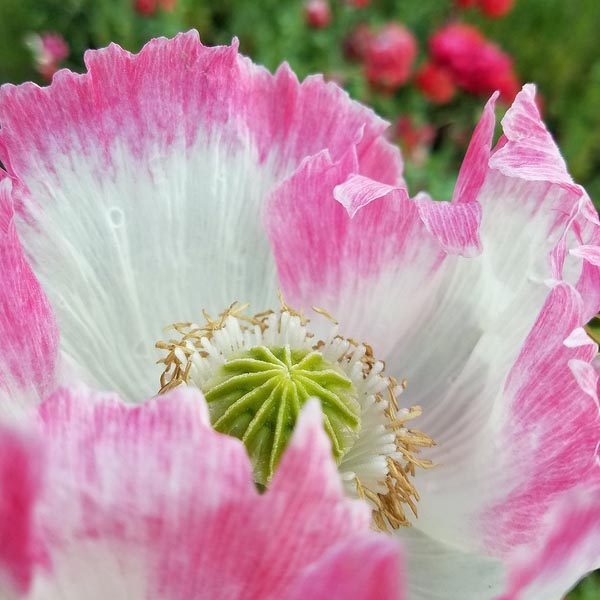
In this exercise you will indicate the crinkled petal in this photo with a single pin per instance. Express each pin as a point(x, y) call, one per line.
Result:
point(27, 326)
point(462, 327)
point(589, 253)
point(527, 150)
point(358, 248)
point(150, 502)
point(142, 184)
point(455, 226)
point(508, 454)
point(493, 489)
point(550, 401)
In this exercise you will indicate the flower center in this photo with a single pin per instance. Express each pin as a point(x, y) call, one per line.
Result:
point(257, 371)
point(257, 395)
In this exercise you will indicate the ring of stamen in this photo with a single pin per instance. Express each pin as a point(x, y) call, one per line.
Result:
point(376, 462)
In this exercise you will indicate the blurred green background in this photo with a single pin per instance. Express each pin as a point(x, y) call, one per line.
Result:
point(553, 43)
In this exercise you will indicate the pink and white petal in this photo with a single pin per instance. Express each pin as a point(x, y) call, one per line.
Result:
point(353, 246)
point(404, 290)
point(521, 339)
point(550, 424)
point(292, 121)
point(527, 154)
point(122, 488)
point(436, 571)
point(307, 118)
point(455, 226)
point(527, 150)
point(364, 567)
point(589, 281)
point(492, 301)
point(589, 253)
point(27, 326)
point(150, 502)
point(95, 570)
point(493, 489)
point(552, 565)
point(550, 397)
point(142, 184)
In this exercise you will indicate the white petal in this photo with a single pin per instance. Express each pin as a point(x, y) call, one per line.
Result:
point(439, 572)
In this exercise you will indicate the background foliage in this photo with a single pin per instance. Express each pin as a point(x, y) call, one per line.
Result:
point(553, 43)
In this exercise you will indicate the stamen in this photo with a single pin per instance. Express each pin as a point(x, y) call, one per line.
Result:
point(376, 453)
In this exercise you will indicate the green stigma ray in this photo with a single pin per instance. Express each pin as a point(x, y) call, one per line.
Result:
point(258, 393)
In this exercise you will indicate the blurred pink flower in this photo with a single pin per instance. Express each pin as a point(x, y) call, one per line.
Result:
point(477, 65)
point(49, 50)
point(149, 7)
point(55, 47)
point(491, 8)
point(390, 56)
point(146, 7)
point(414, 139)
point(435, 82)
point(168, 5)
point(317, 13)
point(496, 8)
point(357, 42)
point(185, 177)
